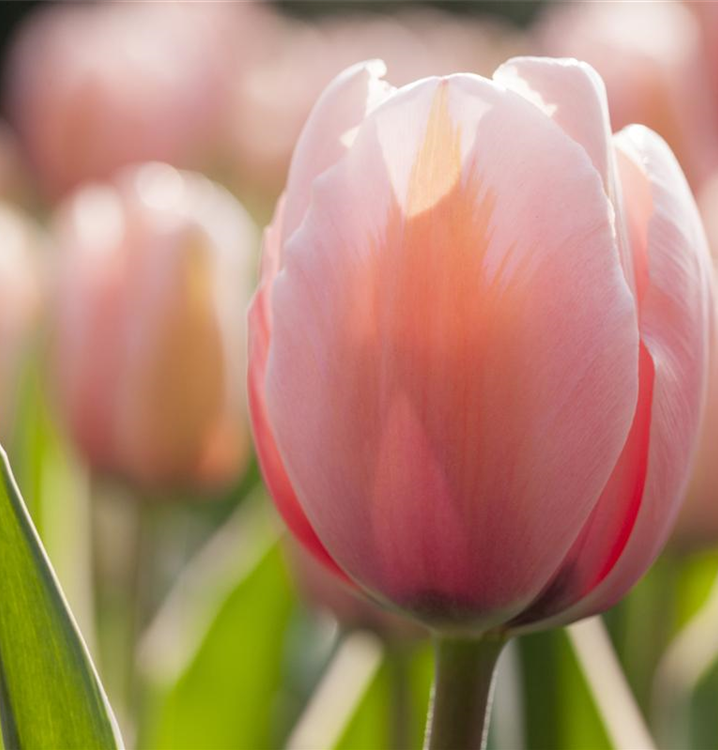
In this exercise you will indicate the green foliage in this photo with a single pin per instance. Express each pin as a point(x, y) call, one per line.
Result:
point(392, 712)
point(50, 696)
point(560, 712)
point(224, 692)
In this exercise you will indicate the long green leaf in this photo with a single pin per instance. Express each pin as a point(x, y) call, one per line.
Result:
point(50, 695)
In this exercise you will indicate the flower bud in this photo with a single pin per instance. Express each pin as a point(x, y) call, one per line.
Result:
point(151, 290)
point(479, 349)
point(93, 87)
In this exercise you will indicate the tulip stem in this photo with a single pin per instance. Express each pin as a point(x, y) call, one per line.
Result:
point(462, 692)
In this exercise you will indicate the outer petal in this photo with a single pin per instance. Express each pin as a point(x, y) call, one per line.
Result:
point(574, 96)
point(328, 131)
point(260, 330)
point(675, 313)
point(452, 372)
point(91, 299)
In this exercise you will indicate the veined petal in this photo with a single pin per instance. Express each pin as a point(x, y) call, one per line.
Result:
point(676, 319)
point(572, 94)
point(329, 130)
point(439, 296)
point(260, 331)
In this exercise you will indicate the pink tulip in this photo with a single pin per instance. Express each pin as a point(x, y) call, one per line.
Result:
point(93, 87)
point(479, 347)
point(650, 58)
point(152, 286)
point(21, 297)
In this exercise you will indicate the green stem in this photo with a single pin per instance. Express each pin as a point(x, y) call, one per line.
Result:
point(461, 696)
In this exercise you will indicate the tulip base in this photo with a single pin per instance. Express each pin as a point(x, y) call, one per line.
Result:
point(461, 696)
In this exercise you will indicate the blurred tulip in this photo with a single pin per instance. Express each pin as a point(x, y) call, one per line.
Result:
point(152, 289)
point(697, 525)
point(478, 351)
point(706, 15)
point(21, 293)
point(93, 87)
point(650, 59)
point(273, 96)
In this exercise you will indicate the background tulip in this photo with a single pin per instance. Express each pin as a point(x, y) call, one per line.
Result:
point(481, 392)
point(151, 291)
point(94, 87)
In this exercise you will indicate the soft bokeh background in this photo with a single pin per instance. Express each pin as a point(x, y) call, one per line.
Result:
point(142, 149)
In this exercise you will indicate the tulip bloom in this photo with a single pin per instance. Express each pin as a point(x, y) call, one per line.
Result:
point(479, 346)
point(151, 291)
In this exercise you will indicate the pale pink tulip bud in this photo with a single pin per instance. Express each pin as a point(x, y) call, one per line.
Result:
point(21, 298)
point(479, 348)
point(649, 56)
point(93, 87)
point(152, 288)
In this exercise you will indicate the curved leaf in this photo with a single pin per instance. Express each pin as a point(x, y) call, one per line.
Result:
point(50, 695)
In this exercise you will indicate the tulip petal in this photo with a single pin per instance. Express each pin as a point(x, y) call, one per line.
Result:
point(446, 333)
point(674, 285)
point(260, 327)
point(574, 96)
point(338, 112)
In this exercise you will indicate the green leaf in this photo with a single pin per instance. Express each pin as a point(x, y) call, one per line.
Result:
point(559, 710)
point(214, 656)
point(50, 695)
